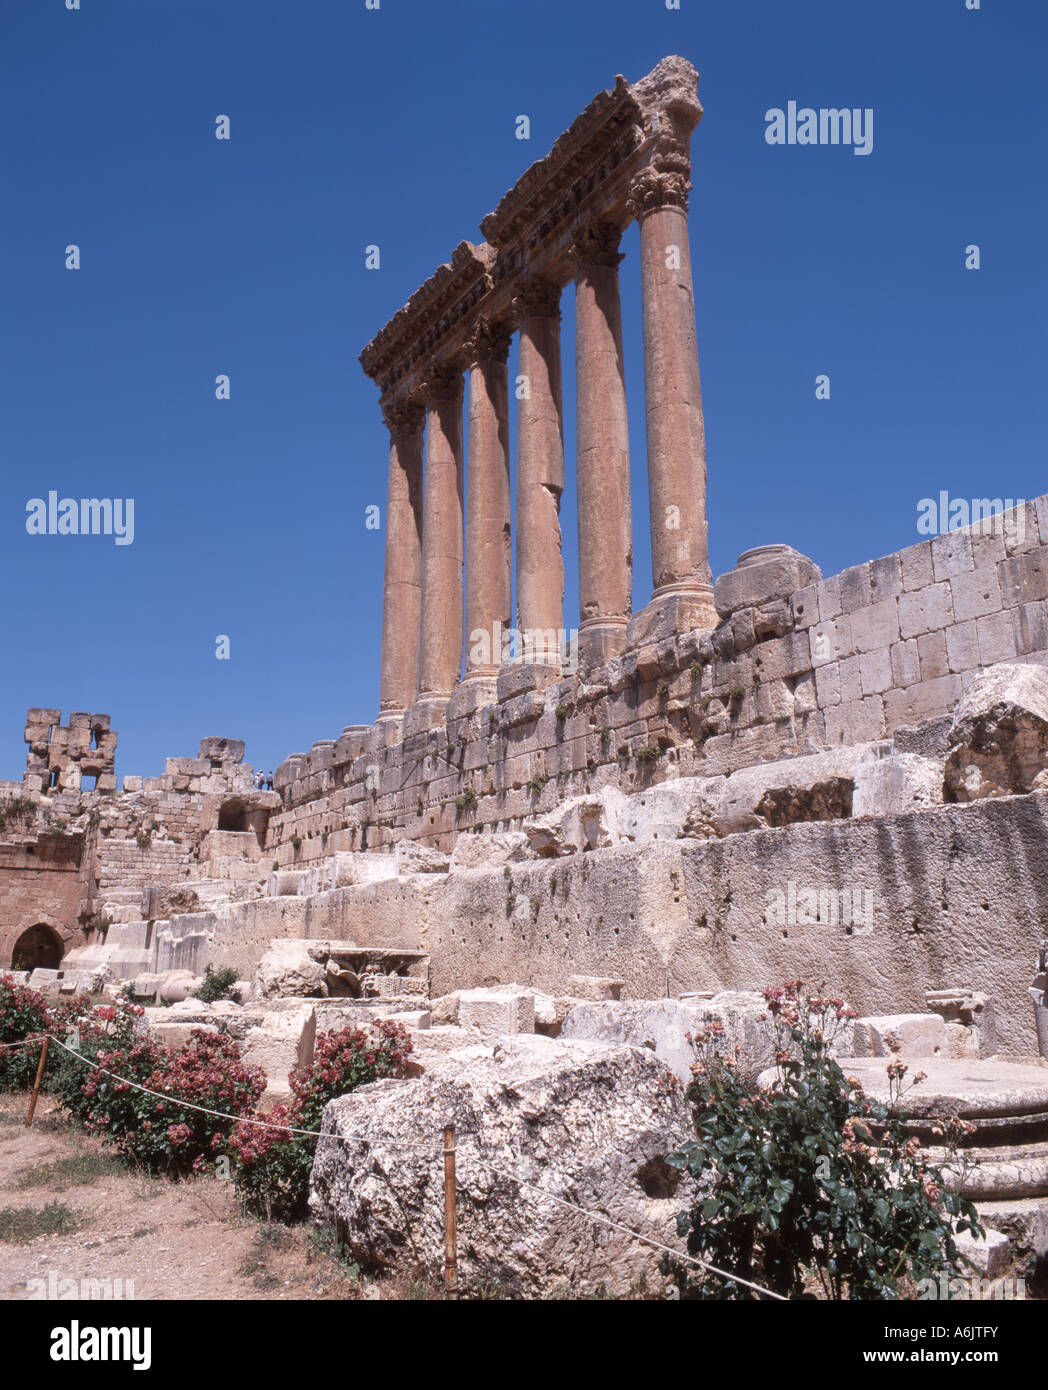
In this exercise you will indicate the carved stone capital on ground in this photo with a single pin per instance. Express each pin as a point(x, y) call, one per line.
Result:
point(403, 417)
point(597, 243)
point(658, 188)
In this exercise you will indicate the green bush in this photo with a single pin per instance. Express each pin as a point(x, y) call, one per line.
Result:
point(272, 1174)
point(809, 1185)
point(218, 984)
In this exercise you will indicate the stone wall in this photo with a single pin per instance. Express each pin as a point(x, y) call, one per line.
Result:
point(40, 884)
point(797, 664)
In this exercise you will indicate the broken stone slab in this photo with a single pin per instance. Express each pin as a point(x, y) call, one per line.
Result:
point(348, 868)
point(898, 1035)
point(681, 808)
point(1025, 1222)
point(490, 851)
point(991, 1253)
point(580, 823)
point(815, 787)
point(495, 1013)
point(413, 858)
point(288, 969)
point(222, 750)
point(174, 1033)
point(588, 1123)
point(998, 741)
point(969, 1018)
point(895, 783)
point(281, 1042)
point(663, 1026)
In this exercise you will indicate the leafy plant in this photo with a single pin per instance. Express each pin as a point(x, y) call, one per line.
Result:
point(218, 984)
point(809, 1183)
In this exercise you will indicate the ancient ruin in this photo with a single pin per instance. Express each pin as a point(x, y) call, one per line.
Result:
point(589, 849)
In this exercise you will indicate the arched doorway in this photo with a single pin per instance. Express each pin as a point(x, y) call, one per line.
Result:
point(39, 948)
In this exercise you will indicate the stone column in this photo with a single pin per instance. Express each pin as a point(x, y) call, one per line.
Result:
point(540, 468)
point(683, 593)
point(402, 590)
point(603, 461)
point(440, 632)
point(489, 554)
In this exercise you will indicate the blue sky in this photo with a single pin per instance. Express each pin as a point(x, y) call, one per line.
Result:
point(397, 127)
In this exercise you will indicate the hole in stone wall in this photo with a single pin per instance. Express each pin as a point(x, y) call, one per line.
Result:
point(657, 1179)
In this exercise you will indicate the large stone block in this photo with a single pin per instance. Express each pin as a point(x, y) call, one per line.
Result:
point(496, 1013)
point(589, 1124)
point(764, 573)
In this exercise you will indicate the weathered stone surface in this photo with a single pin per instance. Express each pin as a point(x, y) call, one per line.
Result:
point(496, 1012)
point(684, 807)
point(287, 968)
point(663, 1025)
point(899, 1035)
point(816, 787)
point(490, 851)
point(413, 858)
point(765, 573)
point(587, 1123)
point(580, 823)
point(991, 1253)
point(595, 987)
point(998, 743)
point(896, 783)
point(281, 1042)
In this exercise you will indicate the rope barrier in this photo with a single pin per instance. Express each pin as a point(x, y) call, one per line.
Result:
point(596, 1217)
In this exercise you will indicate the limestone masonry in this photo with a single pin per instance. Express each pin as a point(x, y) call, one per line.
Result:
point(603, 838)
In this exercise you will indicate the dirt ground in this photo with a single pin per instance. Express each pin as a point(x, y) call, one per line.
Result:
point(170, 1240)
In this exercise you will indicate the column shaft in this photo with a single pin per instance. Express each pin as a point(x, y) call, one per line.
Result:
point(440, 635)
point(402, 589)
point(673, 403)
point(489, 554)
point(540, 463)
point(603, 462)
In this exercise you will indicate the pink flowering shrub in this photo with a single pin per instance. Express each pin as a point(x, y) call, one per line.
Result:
point(148, 1129)
point(809, 1184)
point(272, 1175)
point(23, 1014)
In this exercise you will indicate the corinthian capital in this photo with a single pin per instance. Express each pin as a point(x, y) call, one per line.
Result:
point(403, 417)
point(536, 299)
point(488, 342)
point(597, 243)
point(442, 383)
point(658, 188)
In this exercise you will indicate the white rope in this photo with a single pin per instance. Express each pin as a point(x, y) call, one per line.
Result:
point(521, 1182)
